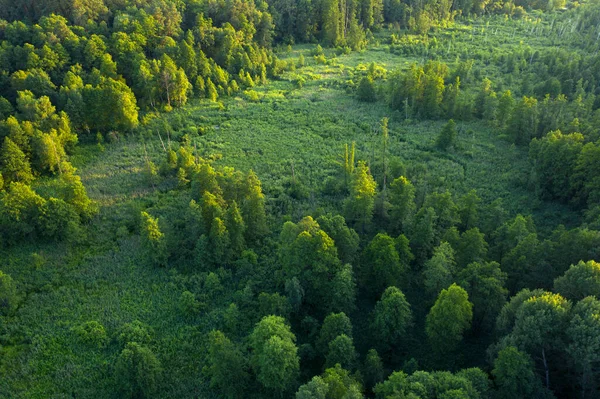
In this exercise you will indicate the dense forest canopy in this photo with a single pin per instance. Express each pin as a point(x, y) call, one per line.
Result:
point(291, 198)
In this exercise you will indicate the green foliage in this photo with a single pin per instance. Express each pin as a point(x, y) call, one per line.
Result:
point(447, 137)
point(341, 351)
point(484, 282)
point(366, 90)
point(449, 318)
point(439, 271)
point(226, 366)
point(15, 167)
point(381, 265)
point(8, 294)
point(514, 374)
point(92, 333)
point(137, 371)
point(402, 201)
point(580, 281)
point(334, 325)
point(392, 317)
point(274, 357)
point(153, 240)
point(360, 204)
point(584, 334)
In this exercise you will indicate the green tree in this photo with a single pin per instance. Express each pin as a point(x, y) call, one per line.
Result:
point(392, 317)
point(153, 240)
point(346, 239)
point(138, 371)
point(341, 351)
point(253, 209)
point(439, 271)
point(539, 325)
point(554, 161)
point(402, 201)
point(514, 375)
point(8, 294)
point(422, 234)
point(335, 324)
point(274, 357)
point(449, 318)
point(484, 282)
point(372, 369)
point(447, 137)
point(584, 336)
point(580, 281)
point(471, 247)
point(523, 122)
point(381, 266)
point(15, 166)
point(236, 228)
point(366, 90)
point(506, 104)
point(360, 204)
point(468, 209)
point(219, 241)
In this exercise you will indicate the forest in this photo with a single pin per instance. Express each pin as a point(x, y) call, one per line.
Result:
point(310, 199)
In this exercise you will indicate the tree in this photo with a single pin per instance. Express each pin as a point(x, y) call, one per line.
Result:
point(468, 209)
point(587, 174)
point(554, 160)
point(111, 105)
point(334, 383)
point(381, 265)
point(253, 209)
point(274, 357)
point(514, 375)
point(236, 228)
point(8, 294)
point(484, 282)
point(580, 281)
point(448, 319)
point(372, 369)
point(334, 325)
point(366, 90)
point(341, 351)
point(471, 247)
point(539, 325)
point(422, 234)
point(439, 271)
point(219, 241)
point(506, 104)
point(346, 239)
point(153, 240)
point(15, 166)
point(392, 317)
point(138, 371)
point(402, 201)
point(523, 122)
point(360, 204)
point(584, 336)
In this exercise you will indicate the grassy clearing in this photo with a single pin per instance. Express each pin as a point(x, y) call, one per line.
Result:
point(101, 278)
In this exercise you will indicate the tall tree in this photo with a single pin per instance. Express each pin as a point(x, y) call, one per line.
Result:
point(392, 318)
point(449, 318)
point(360, 204)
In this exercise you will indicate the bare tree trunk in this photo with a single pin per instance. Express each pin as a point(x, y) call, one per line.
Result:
point(546, 368)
